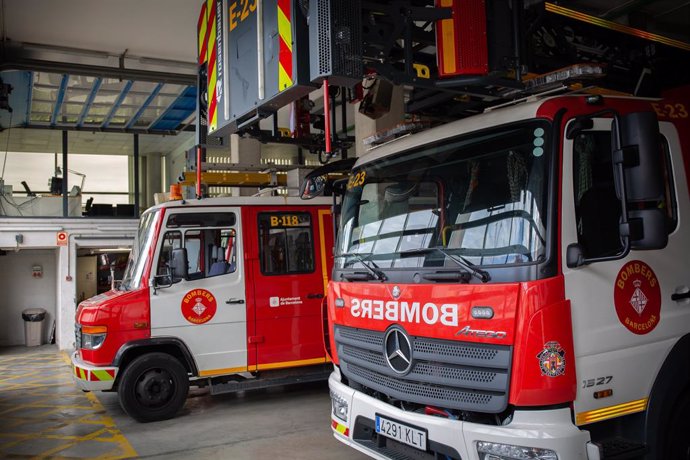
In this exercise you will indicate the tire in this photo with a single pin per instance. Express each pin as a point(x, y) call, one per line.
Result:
point(153, 387)
point(676, 439)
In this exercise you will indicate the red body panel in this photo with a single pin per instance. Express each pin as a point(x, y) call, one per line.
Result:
point(119, 311)
point(503, 298)
point(544, 316)
point(530, 314)
point(292, 331)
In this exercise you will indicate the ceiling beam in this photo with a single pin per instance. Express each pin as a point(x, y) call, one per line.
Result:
point(59, 99)
point(11, 63)
point(132, 121)
point(117, 103)
point(89, 100)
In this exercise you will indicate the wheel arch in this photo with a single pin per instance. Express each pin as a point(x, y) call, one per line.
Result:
point(169, 345)
point(670, 383)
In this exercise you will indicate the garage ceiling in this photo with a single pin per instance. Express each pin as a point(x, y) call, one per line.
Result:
point(147, 51)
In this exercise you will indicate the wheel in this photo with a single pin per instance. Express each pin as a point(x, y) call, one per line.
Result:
point(676, 439)
point(153, 387)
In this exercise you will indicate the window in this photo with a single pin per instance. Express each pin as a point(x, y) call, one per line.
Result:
point(285, 243)
point(597, 207)
point(210, 251)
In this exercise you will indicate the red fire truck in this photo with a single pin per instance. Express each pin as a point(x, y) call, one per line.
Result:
point(516, 285)
point(224, 292)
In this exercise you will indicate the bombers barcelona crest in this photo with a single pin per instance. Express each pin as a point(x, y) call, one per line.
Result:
point(552, 360)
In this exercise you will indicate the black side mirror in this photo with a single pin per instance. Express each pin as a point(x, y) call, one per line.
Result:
point(178, 265)
point(163, 281)
point(312, 187)
point(643, 179)
point(574, 256)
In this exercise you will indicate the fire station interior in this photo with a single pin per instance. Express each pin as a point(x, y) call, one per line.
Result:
point(105, 114)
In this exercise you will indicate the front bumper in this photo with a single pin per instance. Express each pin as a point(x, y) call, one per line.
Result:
point(92, 378)
point(548, 429)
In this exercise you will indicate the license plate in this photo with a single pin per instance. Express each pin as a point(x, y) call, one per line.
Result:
point(401, 432)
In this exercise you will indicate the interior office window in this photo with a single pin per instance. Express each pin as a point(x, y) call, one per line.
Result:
point(597, 207)
point(285, 243)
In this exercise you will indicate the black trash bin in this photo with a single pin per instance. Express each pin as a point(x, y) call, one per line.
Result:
point(33, 326)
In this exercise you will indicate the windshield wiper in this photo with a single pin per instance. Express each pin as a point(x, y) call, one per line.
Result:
point(481, 275)
point(373, 268)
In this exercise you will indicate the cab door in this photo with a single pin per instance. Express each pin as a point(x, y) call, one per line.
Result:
point(290, 273)
point(207, 310)
point(624, 318)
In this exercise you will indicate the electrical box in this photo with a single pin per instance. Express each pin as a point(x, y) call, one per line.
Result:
point(258, 60)
point(335, 35)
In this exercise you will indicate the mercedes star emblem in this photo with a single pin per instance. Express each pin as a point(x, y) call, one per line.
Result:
point(398, 350)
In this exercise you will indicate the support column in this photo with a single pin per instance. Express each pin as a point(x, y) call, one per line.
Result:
point(136, 174)
point(243, 150)
point(365, 126)
point(153, 178)
point(65, 194)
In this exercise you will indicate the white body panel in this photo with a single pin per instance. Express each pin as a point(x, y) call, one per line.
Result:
point(221, 343)
point(548, 429)
point(604, 347)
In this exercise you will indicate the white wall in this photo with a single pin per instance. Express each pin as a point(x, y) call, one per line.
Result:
point(41, 234)
point(20, 291)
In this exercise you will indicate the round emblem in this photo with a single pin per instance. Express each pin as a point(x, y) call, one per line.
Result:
point(552, 360)
point(397, 350)
point(198, 306)
point(395, 292)
point(637, 297)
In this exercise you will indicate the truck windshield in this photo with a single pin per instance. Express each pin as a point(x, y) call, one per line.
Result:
point(141, 251)
point(480, 198)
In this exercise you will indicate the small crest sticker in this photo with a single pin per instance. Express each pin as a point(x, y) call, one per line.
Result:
point(552, 360)
point(396, 292)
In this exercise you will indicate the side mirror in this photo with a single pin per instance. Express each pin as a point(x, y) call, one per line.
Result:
point(640, 153)
point(574, 256)
point(312, 187)
point(178, 265)
point(162, 281)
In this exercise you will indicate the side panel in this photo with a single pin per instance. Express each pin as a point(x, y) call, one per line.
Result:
point(206, 314)
point(624, 321)
point(287, 304)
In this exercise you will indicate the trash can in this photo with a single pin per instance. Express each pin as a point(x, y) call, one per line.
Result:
point(33, 326)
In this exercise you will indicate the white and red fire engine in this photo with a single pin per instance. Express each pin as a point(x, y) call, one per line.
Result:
point(516, 285)
point(225, 292)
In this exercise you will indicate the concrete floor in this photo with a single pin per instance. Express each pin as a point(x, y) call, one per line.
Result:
point(287, 422)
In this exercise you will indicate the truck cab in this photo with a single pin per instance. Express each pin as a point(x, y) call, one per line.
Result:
point(514, 286)
point(225, 292)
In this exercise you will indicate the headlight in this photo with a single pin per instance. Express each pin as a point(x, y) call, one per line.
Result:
point(92, 337)
point(496, 451)
point(339, 406)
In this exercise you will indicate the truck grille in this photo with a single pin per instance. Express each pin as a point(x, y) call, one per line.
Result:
point(77, 336)
point(445, 373)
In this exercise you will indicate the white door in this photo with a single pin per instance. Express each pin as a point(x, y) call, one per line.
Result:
point(624, 320)
point(207, 311)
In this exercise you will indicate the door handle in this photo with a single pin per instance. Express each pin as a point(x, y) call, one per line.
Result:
point(676, 296)
point(315, 295)
point(231, 301)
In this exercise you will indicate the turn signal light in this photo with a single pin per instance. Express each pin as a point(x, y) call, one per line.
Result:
point(94, 329)
point(603, 394)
